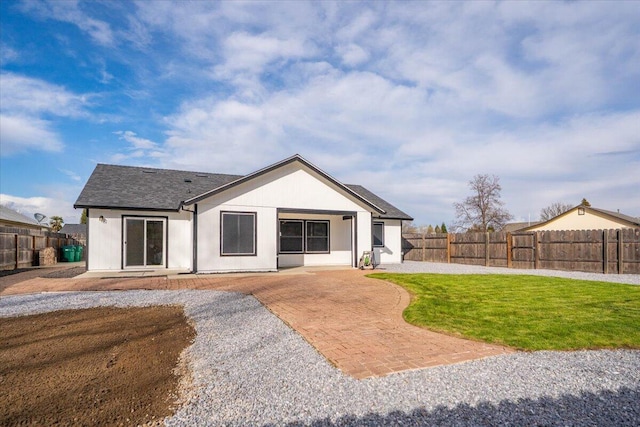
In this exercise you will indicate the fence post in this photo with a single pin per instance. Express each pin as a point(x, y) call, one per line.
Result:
point(448, 248)
point(620, 250)
point(17, 251)
point(486, 249)
point(424, 245)
point(605, 251)
point(509, 250)
point(536, 251)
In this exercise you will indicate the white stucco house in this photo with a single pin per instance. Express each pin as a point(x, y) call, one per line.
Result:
point(288, 214)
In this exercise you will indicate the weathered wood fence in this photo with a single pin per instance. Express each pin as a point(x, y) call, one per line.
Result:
point(20, 248)
point(602, 251)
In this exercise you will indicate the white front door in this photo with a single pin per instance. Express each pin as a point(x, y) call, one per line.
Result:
point(144, 242)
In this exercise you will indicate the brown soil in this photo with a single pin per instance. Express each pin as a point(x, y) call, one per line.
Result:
point(98, 366)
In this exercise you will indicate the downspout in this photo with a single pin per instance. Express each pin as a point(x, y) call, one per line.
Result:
point(86, 261)
point(355, 228)
point(195, 239)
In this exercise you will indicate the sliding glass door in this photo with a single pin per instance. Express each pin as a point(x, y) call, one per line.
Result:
point(144, 242)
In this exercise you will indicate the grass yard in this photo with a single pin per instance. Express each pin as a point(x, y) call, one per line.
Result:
point(524, 312)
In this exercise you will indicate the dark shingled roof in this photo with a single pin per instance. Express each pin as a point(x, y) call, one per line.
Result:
point(130, 187)
point(391, 212)
point(74, 229)
point(138, 188)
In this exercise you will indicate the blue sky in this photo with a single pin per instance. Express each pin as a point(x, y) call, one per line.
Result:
point(410, 99)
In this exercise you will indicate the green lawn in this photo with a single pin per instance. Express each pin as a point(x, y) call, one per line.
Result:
point(524, 312)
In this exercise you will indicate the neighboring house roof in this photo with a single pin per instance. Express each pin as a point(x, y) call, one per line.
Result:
point(139, 188)
point(517, 226)
point(77, 229)
point(622, 219)
point(11, 217)
point(618, 215)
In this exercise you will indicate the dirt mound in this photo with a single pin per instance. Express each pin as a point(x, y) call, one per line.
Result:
point(99, 366)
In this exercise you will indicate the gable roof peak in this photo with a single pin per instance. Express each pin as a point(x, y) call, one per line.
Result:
point(277, 165)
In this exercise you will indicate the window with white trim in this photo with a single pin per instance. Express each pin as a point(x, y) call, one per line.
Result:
point(238, 233)
point(299, 236)
point(378, 234)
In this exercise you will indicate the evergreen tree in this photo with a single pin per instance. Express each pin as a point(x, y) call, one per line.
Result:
point(83, 216)
point(437, 229)
point(443, 228)
point(429, 229)
point(585, 202)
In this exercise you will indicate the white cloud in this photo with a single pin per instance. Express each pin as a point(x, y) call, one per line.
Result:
point(22, 133)
point(48, 206)
point(136, 141)
point(25, 104)
point(352, 54)
point(248, 56)
point(71, 174)
point(411, 99)
point(7, 54)
point(21, 94)
point(69, 11)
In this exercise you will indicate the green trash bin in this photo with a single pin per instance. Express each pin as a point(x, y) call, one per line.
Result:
point(79, 250)
point(69, 253)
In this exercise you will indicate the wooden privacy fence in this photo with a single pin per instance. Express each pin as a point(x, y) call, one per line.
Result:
point(20, 248)
point(601, 251)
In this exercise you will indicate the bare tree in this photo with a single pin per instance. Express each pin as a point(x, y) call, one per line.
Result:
point(409, 227)
point(553, 210)
point(482, 210)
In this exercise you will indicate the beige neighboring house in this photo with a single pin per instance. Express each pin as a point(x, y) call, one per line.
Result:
point(586, 218)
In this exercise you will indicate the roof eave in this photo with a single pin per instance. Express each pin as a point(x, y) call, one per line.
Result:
point(275, 166)
point(125, 208)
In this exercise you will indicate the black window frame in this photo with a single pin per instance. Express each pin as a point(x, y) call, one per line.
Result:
point(255, 233)
point(305, 236)
point(373, 234)
point(327, 237)
point(302, 236)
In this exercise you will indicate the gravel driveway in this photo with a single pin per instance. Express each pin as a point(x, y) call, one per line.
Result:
point(249, 368)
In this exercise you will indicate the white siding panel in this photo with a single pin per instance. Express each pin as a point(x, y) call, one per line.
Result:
point(291, 186)
point(365, 238)
point(391, 253)
point(105, 240)
point(209, 258)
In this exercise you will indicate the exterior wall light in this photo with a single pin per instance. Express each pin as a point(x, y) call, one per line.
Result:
point(580, 211)
point(102, 218)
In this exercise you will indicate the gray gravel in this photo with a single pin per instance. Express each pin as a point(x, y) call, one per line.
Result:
point(443, 268)
point(249, 368)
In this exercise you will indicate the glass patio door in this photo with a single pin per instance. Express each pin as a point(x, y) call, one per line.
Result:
point(144, 242)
